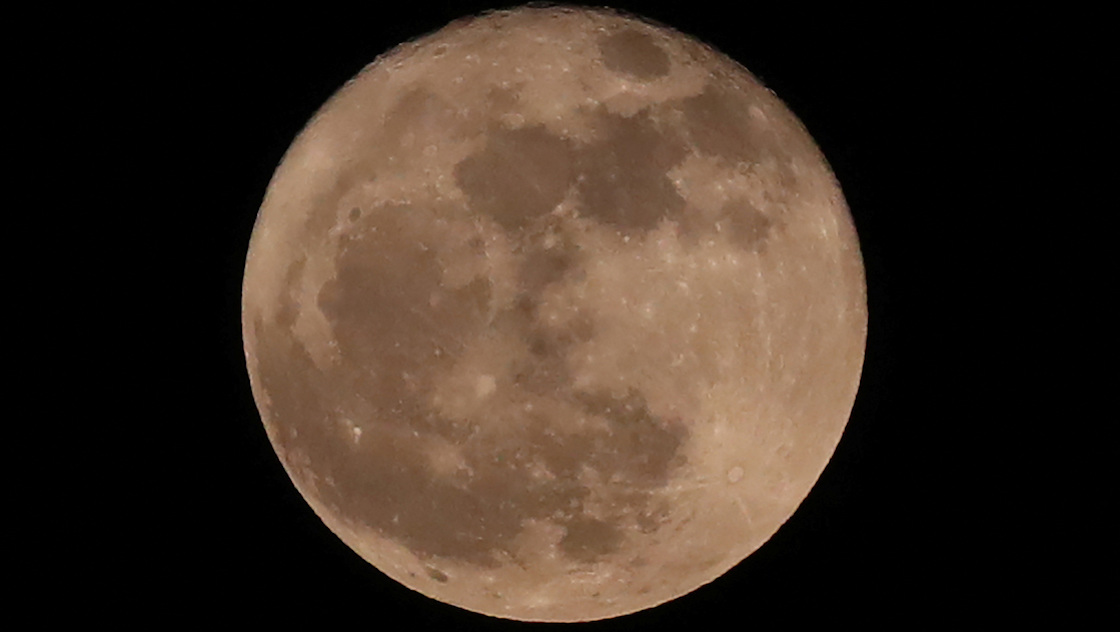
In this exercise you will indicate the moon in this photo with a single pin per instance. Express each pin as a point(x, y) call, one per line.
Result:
point(554, 314)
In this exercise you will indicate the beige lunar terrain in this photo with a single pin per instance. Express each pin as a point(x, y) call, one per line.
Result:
point(554, 314)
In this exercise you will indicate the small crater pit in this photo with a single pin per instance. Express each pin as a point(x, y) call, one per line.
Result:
point(735, 474)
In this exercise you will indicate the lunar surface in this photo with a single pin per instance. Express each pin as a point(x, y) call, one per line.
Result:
point(554, 314)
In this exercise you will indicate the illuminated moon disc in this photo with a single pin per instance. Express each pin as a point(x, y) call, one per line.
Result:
point(554, 314)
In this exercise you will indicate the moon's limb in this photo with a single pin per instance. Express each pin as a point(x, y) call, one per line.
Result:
point(554, 314)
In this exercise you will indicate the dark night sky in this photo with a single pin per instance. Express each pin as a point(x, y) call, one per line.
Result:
point(219, 533)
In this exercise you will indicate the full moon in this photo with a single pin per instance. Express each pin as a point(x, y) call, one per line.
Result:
point(554, 314)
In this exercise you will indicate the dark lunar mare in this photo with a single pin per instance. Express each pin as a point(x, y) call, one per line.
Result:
point(393, 342)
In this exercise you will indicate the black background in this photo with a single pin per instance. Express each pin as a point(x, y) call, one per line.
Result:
point(197, 522)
